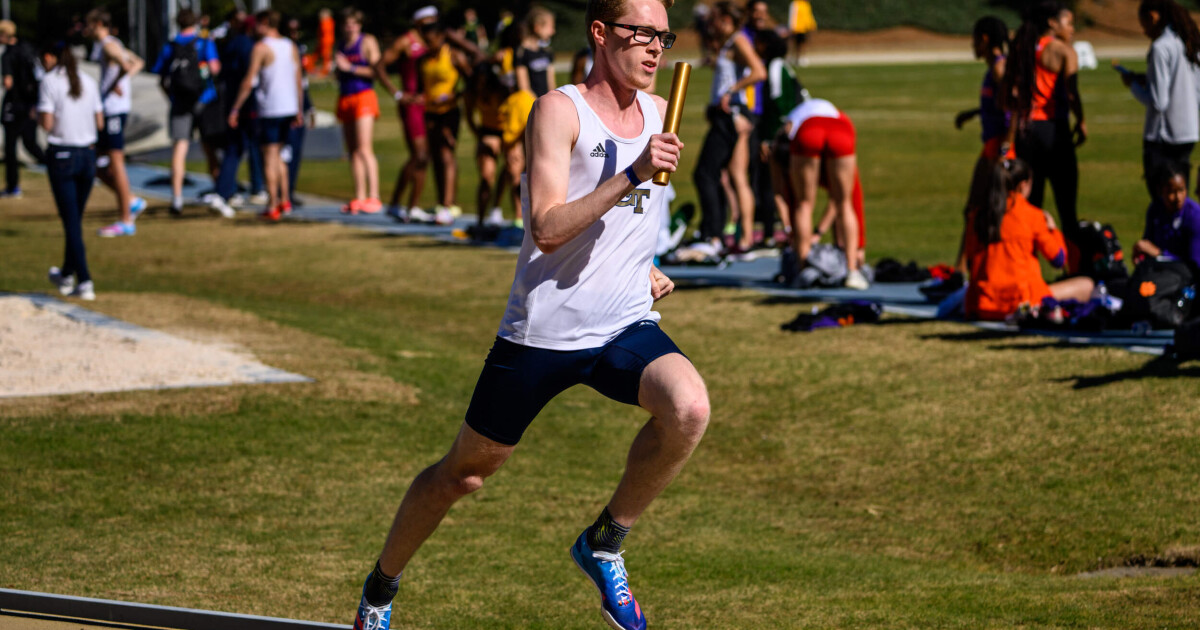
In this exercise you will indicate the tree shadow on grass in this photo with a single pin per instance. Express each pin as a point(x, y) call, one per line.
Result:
point(1159, 367)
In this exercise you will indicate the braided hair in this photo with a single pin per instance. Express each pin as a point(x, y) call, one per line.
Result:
point(1020, 76)
point(1179, 20)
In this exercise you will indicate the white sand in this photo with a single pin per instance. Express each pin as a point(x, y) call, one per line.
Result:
point(48, 347)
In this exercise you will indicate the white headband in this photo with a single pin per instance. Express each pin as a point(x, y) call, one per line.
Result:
point(425, 12)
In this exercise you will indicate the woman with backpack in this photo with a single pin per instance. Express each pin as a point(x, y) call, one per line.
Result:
point(71, 112)
point(1167, 89)
point(1002, 244)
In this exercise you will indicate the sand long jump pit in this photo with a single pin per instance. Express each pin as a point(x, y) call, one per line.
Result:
point(50, 347)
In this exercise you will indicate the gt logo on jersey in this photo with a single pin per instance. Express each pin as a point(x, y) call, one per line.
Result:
point(635, 199)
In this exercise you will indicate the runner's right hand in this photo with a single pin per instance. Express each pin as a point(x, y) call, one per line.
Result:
point(661, 154)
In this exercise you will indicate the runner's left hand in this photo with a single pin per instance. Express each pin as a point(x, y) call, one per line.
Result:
point(660, 285)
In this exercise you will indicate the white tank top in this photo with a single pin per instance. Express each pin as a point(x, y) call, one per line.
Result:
point(811, 108)
point(726, 74)
point(114, 104)
point(276, 94)
point(598, 284)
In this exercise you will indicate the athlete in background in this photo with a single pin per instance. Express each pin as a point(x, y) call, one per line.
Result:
point(357, 109)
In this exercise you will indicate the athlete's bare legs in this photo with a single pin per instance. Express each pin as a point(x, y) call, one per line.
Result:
point(804, 174)
point(472, 458)
point(841, 185)
point(671, 390)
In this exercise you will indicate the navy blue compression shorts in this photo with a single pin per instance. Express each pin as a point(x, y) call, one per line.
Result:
point(517, 381)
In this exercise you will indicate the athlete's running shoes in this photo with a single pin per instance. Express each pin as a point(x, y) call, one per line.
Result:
point(372, 617)
point(120, 228)
point(607, 572)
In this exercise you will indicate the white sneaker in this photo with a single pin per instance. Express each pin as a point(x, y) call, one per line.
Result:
point(85, 291)
point(176, 205)
point(495, 217)
point(259, 198)
point(443, 216)
point(237, 201)
point(217, 204)
point(65, 284)
point(857, 281)
point(417, 215)
point(456, 211)
point(207, 198)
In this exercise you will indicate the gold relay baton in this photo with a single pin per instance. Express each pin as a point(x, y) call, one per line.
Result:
point(679, 85)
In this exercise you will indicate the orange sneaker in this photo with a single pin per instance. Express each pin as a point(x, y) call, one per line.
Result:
point(273, 215)
point(286, 207)
point(370, 206)
point(354, 207)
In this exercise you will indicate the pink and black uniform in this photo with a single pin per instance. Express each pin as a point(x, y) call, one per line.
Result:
point(412, 115)
point(356, 96)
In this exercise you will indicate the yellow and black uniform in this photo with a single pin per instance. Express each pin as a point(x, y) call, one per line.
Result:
point(440, 79)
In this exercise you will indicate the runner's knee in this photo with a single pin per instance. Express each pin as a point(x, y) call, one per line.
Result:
point(460, 483)
point(689, 416)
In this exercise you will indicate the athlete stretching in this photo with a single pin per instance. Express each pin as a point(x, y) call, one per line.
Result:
point(580, 309)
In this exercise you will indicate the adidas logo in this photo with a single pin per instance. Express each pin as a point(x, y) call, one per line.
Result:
point(599, 151)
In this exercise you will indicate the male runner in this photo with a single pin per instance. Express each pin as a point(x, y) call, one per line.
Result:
point(580, 309)
point(275, 64)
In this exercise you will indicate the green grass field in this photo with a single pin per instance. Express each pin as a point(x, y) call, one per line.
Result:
point(904, 475)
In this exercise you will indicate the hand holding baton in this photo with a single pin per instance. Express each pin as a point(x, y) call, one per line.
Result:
point(679, 85)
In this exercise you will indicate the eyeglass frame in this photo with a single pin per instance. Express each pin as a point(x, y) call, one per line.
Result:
point(635, 28)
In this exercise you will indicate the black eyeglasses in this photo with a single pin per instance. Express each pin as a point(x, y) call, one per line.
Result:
point(645, 34)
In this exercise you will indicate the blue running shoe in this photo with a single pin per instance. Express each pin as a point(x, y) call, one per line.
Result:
point(136, 206)
point(372, 617)
point(607, 572)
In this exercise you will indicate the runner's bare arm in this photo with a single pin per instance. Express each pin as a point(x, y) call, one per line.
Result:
point(389, 57)
point(1072, 76)
point(129, 62)
point(549, 138)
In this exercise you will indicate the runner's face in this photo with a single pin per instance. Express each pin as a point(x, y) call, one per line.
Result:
point(1174, 193)
point(759, 15)
point(1149, 22)
point(351, 28)
point(1064, 26)
point(636, 62)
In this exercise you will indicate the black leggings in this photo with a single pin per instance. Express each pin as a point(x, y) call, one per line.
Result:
point(714, 155)
point(1049, 150)
point(23, 128)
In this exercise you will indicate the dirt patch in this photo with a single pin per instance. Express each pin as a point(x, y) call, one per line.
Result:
point(1175, 562)
point(49, 347)
point(338, 372)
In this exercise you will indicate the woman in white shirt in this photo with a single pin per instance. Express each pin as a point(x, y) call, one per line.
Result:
point(70, 110)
